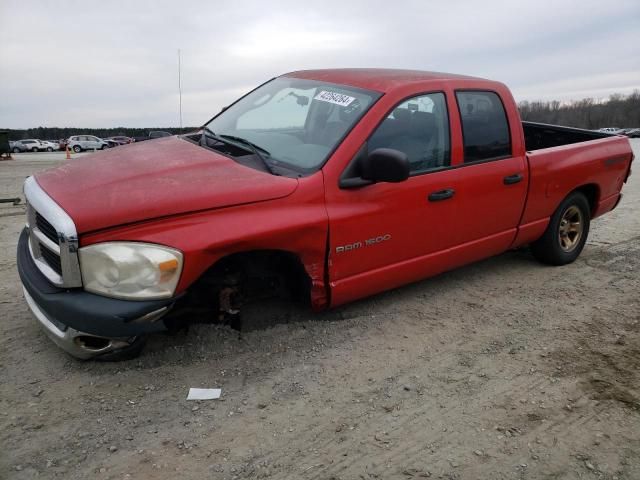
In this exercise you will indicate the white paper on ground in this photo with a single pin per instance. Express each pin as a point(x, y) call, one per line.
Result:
point(204, 393)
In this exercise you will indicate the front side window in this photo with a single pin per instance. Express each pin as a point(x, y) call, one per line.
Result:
point(418, 127)
point(295, 123)
point(485, 129)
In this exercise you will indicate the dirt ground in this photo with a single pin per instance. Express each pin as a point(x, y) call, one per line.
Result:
point(505, 369)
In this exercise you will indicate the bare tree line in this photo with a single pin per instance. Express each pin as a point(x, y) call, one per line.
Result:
point(621, 111)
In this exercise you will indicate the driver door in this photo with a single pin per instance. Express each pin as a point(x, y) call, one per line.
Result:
point(386, 234)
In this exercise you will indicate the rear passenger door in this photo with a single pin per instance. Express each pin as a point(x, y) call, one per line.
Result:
point(492, 179)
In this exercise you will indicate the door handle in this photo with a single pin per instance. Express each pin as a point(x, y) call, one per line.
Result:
point(441, 195)
point(511, 179)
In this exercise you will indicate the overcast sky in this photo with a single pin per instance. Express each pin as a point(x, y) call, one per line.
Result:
point(108, 63)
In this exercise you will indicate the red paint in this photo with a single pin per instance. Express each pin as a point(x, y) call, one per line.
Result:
point(172, 192)
point(156, 178)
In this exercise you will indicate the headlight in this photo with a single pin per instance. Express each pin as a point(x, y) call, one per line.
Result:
point(129, 270)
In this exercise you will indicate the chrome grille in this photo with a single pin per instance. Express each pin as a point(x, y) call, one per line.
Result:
point(53, 241)
point(46, 228)
point(52, 259)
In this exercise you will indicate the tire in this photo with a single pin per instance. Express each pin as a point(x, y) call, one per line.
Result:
point(103, 147)
point(34, 150)
point(126, 353)
point(49, 149)
point(77, 148)
point(16, 150)
point(567, 232)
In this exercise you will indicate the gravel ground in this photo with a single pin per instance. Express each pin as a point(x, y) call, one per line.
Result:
point(505, 369)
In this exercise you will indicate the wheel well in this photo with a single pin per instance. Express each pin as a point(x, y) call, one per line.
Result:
point(592, 192)
point(243, 278)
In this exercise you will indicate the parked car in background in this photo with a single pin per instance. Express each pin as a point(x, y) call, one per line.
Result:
point(49, 145)
point(28, 145)
point(632, 132)
point(78, 143)
point(158, 134)
point(121, 140)
point(611, 130)
point(152, 135)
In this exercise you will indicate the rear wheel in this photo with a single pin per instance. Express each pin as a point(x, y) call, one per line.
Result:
point(566, 234)
point(77, 148)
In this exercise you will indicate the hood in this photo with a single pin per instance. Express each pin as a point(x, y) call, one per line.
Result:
point(166, 176)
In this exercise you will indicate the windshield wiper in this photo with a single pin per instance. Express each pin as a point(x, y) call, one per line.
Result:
point(211, 134)
point(253, 147)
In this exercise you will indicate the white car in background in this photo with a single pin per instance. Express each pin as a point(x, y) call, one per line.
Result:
point(78, 143)
point(49, 146)
point(611, 130)
point(28, 145)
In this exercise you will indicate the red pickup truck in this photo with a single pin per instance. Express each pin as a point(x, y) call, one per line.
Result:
point(319, 187)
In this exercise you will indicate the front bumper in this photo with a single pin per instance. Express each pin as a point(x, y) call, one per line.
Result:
point(81, 323)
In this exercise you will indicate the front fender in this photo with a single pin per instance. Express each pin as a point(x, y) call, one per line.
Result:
point(297, 224)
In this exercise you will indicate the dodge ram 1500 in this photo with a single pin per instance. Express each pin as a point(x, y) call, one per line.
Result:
point(318, 186)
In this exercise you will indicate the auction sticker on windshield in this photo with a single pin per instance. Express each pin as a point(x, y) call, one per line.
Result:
point(333, 97)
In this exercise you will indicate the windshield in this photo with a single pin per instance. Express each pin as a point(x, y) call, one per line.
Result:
point(298, 123)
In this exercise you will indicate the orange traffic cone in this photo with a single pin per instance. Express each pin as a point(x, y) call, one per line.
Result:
point(68, 153)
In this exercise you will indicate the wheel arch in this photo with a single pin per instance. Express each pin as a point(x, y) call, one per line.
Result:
point(592, 192)
point(242, 279)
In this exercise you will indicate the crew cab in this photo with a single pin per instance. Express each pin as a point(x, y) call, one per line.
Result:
point(319, 187)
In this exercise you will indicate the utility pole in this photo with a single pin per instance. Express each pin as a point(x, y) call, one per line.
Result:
point(180, 88)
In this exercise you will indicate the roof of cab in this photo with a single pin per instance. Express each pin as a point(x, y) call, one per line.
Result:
point(378, 79)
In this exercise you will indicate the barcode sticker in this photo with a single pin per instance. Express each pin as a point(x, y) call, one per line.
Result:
point(333, 97)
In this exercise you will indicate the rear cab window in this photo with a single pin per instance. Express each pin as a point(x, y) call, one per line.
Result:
point(485, 128)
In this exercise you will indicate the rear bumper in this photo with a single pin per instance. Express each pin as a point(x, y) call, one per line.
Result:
point(68, 316)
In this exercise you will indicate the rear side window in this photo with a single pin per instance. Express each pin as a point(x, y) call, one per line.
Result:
point(485, 129)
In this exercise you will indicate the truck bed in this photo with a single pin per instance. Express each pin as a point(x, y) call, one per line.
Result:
point(538, 136)
point(566, 159)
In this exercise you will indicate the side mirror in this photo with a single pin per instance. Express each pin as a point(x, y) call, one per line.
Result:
point(385, 165)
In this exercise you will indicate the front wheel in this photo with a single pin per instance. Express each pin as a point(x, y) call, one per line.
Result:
point(49, 149)
point(103, 147)
point(34, 150)
point(77, 148)
point(16, 150)
point(566, 234)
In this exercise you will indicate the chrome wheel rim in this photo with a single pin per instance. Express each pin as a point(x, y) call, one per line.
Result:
point(571, 229)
